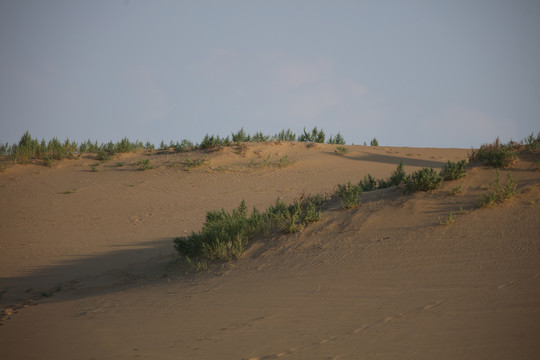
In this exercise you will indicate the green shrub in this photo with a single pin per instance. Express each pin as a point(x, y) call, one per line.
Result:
point(183, 146)
point(374, 142)
point(455, 190)
point(149, 146)
point(49, 161)
point(499, 193)
point(349, 195)
point(25, 150)
point(4, 149)
point(423, 180)
point(294, 217)
point(316, 136)
point(454, 170)
point(144, 164)
point(125, 146)
point(214, 142)
point(531, 142)
point(450, 219)
point(396, 178)
point(190, 164)
point(368, 183)
point(338, 140)
point(495, 154)
point(223, 235)
point(163, 147)
point(284, 161)
point(285, 136)
point(341, 150)
point(260, 137)
point(240, 136)
point(103, 155)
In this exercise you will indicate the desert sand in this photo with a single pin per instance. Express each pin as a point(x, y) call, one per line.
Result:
point(88, 269)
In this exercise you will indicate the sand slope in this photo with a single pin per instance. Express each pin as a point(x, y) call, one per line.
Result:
point(384, 280)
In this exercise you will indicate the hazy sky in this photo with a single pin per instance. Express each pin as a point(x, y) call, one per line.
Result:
point(410, 73)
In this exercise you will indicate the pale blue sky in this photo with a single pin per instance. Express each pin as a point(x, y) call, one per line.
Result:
point(410, 73)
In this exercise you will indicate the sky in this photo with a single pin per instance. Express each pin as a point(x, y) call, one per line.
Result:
point(409, 73)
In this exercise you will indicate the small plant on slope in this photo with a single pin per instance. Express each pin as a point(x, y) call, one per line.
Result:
point(144, 164)
point(454, 170)
point(349, 195)
point(223, 235)
point(396, 178)
point(341, 150)
point(500, 193)
point(422, 180)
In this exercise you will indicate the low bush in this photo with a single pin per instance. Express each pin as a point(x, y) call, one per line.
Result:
point(374, 142)
point(316, 136)
point(338, 140)
point(183, 146)
point(495, 154)
point(368, 183)
point(285, 136)
point(240, 136)
point(423, 180)
point(499, 193)
point(396, 178)
point(531, 142)
point(144, 164)
point(349, 195)
point(211, 142)
point(223, 235)
point(260, 137)
point(294, 217)
point(284, 161)
point(341, 150)
point(454, 170)
point(455, 190)
point(190, 164)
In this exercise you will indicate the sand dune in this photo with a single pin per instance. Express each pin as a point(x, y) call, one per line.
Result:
point(88, 270)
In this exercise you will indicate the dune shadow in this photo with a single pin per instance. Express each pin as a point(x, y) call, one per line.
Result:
point(122, 268)
point(395, 160)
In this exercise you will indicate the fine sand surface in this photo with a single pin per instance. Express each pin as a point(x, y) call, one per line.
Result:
point(88, 269)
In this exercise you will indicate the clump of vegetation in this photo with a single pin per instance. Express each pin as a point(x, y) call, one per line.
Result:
point(531, 142)
point(183, 146)
point(423, 180)
point(455, 190)
point(260, 137)
point(144, 164)
point(223, 235)
point(338, 140)
point(495, 154)
point(454, 170)
point(499, 192)
point(29, 149)
point(396, 178)
point(450, 219)
point(349, 195)
point(374, 142)
point(285, 136)
point(294, 217)
point(316, 136)
point(341, 150)
point(190, 164)
point(368, 183)
point(211, 142)
point(240, 136)
point(284, 161)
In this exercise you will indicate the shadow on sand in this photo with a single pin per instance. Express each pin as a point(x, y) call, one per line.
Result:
point(117, 270)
